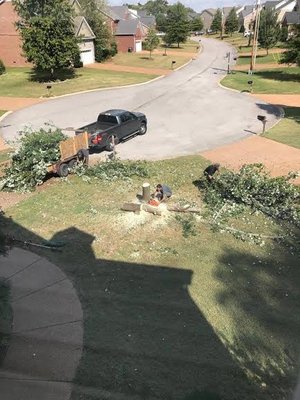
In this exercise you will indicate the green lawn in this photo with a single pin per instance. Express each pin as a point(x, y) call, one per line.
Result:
point(2, 112)
point(166, 315)
point(16, 82)
point(156, 61)
point(279, 80)
point(4, 155)
point(260, 59)
point(191, 46)
point(288, 129)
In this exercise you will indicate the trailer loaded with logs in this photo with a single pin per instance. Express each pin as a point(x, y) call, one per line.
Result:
point(73, 150)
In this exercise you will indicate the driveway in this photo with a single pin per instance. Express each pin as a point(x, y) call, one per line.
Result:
point(188, 111)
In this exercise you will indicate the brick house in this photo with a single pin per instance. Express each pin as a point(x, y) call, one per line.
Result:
point(10, 41)
point(128, 27)
point(11, 44)
point(207, 17)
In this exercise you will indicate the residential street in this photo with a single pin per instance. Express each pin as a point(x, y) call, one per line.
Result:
point(187, 111)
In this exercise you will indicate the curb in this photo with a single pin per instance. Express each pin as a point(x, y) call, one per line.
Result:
point(5, 115)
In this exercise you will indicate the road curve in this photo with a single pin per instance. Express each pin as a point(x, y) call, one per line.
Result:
point(187, 111)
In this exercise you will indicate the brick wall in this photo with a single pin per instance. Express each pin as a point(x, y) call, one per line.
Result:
point(124, 42)
point(10, 43)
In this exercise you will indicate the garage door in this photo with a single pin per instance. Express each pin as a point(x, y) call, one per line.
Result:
point(87, 56)
point(138, 45)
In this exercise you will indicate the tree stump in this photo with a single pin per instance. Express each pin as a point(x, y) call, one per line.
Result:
point(146, 192)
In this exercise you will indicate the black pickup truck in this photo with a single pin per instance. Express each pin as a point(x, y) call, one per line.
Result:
point(119, 124)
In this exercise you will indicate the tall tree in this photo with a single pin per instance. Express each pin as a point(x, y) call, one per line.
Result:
point(47, 32)
point(151, 42)
point(104, 42)
point(216, 25)
point(232, 23)
point(156, 7)
point(292, 55)
point(269, 29)
point(196, 24)
point(178, 28)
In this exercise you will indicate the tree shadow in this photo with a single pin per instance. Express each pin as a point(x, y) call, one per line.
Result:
point(278, 75)
point(144, 337)
point(36, 75)
point(268, 347)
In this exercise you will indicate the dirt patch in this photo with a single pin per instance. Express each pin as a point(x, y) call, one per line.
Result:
point(3, 145)
point(9, 199)
point(15, 103)
point(288, 100)
point(278, 158)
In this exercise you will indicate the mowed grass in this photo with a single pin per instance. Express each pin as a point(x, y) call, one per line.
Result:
point(156, 61)
point(275, 81)
point(191, 46)
point(260, 59)
point(2, 112)
point(4, 155)
point(217, 312)
point(287, 131)
point(17, 82)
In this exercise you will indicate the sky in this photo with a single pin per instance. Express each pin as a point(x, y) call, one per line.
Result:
point(197, 5)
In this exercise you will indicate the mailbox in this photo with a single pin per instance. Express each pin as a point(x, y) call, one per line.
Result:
point(262, 118)
point(250, 82)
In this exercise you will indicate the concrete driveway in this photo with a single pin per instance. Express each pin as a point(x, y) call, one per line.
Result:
point(188, 111)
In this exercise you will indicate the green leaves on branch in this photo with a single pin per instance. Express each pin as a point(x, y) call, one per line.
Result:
point(292, 55)
point(252, 186)
point(269, 29)
point(177, 25)
point(29, 163)
point(151, 42)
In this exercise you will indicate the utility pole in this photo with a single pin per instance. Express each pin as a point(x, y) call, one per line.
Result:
point(255, 37)
point(222, 24)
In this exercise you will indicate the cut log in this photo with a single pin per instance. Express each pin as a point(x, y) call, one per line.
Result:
point(131, 207)
point(183, 209)
point(151, 209)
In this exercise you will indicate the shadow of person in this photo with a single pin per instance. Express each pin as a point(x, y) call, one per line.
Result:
point(144, 337)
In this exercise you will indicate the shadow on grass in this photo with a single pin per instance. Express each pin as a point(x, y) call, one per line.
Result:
point(292, 113)
point(280, 75)
point(45, 77)
point(270, 301)
point(144, 337)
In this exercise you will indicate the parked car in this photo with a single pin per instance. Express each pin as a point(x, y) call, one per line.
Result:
point(247, 33)
point(113, 126)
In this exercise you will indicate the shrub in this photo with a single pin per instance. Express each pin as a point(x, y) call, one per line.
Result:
point(2, 67)
point(29, 163)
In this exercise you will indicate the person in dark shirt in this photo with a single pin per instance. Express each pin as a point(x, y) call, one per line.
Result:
point(162, 192)
point(210, 171)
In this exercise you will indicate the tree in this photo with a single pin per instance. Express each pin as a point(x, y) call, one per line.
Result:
point(269, 29)
point(216, 25)
point(232, 23)
point(151, 42)
point(156, 7)
point(177, 29)
point(161, 22)
point(47, 32)
point(292, 55)
point(104, 43)
point(196, 24)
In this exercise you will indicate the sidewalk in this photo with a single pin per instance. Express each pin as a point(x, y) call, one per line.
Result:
point(278, 158)
point(284, 100)
point(47, 333)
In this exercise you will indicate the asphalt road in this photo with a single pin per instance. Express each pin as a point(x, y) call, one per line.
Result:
point(187, 111)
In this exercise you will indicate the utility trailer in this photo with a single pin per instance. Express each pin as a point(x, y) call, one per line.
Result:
point(72, 151)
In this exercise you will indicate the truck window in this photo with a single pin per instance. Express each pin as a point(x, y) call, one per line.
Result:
point(107, 119)
point(127, 116)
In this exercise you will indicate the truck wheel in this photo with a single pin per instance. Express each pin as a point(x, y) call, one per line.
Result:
point(72, 163)
point(109, 146)
point(63, 170)
point(143, 129)
point(83, 155)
